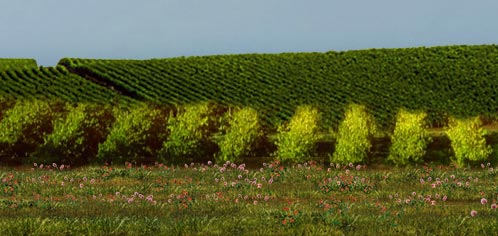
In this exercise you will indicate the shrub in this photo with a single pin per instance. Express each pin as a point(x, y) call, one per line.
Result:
point(240, 136)
point(76, 137)
point(24, 127)
point(296, 141)
point(410, 138)
point(190, 132)
point(354, 136)
point(136, 136)
point(467, 140)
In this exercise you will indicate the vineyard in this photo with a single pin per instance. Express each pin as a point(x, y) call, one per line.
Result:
point(49, 83)
point(458, 81)
point(255, 144)
point(148, 110)
point(13, 64)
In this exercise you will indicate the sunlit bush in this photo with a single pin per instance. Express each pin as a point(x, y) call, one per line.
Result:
point(136, 136)
point(240, 135)
point(354, 136)
point(296, 140)
point(190, 133)
point(76, 137)
point(467, 140)
point(24, 127)
point(410, 138)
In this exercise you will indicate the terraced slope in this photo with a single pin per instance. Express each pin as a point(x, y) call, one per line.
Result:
point(455, 80)
point(55, 83)
point(8, 64)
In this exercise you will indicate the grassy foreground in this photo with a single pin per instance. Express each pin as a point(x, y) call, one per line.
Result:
point(209, 199)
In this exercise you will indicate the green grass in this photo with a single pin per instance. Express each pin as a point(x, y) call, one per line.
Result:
point(202, 199)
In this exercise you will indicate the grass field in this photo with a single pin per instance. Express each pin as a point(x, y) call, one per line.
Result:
point(230, 199)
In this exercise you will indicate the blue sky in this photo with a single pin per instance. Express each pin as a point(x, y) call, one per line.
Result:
point(48, 30)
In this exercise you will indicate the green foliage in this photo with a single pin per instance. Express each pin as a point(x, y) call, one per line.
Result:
point(384, 80)
point(49, 83)
point(354, 136)
point(190, 133)
point(136, 136)
point(240, 136)
point(467, 140)
point(296, 140)
point(76, 137)
point(10, 64)
point(25, 125)
point(410, 138)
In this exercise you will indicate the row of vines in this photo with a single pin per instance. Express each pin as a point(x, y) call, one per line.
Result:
point(39, 131)
point(51, 83)
point(16, 64)
point(458, 81)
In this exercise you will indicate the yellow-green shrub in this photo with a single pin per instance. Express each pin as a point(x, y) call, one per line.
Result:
point(190, 133)
point(136, 136)
point(240, 136)
point(353, 141)
point(76, 137)
point(24, 127)
point(467, 140)
point(296, 140)
point(410, 138)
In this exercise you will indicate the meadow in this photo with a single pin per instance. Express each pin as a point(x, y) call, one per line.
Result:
point(271, 199)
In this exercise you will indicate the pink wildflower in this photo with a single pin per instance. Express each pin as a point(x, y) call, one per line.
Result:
point(473, 213)
point(493, 206)
point(484, 201)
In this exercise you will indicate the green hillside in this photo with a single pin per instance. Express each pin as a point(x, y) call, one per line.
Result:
point(48, 83)
point(8, 64)
point(454, 80)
